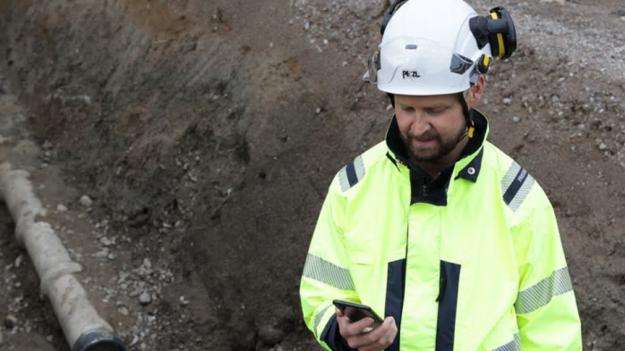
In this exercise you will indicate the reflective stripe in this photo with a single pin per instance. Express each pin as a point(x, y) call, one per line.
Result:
point(516, 184)
point(319, 316)
point(514, 345)
point(541, 294)
point(321, 270)
point(352, 173)
point(510, 175)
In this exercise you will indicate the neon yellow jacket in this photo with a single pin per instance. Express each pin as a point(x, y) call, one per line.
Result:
point(472, 263)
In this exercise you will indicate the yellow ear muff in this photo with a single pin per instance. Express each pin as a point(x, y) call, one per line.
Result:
point(483, 64)
point(502, 48)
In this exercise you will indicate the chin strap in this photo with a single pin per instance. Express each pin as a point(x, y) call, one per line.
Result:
point(467, 115)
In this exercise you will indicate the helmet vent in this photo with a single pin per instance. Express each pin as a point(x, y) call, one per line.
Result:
point(411, 47)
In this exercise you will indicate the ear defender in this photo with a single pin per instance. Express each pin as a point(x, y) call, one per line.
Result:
point(496, 29)
point(483, 64)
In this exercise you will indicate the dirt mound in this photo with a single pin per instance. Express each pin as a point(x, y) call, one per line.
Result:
point(207, 133)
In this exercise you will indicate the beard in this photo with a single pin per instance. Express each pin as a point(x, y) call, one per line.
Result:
point(437, 147)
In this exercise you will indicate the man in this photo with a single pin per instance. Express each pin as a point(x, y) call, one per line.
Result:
point(436, 229)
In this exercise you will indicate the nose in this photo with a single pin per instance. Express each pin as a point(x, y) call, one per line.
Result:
point(419, 126)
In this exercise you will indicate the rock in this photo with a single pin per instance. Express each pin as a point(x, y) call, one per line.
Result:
point(516, 119)
point(602, 146)
point(86, 201)
point(506, 101)
point(10, 321)
point(102, 253)
point(184, 301)
point(1, 338)
point(106, 241)
point(270, 335)
point(145, 298)
point(123, 310)
point(18, 261)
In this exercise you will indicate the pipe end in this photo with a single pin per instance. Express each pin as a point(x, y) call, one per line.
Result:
point(98, 340)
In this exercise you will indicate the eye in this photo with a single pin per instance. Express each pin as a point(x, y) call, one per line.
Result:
point(437, 110)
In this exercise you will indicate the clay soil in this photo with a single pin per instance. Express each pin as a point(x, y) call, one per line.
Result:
point(207, 132)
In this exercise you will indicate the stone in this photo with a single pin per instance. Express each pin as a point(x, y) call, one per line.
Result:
point(106, 241)
point(270, 335)
point(145, 298)
point(123, 310)
point(102, 253)
point(86, 201)
point(61, 208)
point(18, 261)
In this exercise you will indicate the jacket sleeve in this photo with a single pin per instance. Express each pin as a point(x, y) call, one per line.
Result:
point(326, 274)
point(546, 310)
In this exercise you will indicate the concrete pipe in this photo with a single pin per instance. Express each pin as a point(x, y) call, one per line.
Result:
point(84, 329)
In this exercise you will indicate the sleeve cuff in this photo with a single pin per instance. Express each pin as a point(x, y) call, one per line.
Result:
point(333, 338)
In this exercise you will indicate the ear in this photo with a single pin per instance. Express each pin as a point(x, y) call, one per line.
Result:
point(476, 92)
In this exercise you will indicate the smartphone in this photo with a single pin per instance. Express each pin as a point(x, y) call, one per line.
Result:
point(356, 311)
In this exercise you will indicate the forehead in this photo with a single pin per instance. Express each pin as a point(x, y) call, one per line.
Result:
point(426, 101)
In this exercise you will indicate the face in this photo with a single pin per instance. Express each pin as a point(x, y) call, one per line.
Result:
point(431, 127)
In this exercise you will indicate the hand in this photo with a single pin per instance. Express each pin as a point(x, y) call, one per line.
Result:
point(359, 335)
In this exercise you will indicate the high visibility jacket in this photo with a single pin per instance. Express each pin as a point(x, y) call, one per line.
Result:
point(474, 263)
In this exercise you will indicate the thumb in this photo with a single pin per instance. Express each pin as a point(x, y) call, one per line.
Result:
point(340, 313)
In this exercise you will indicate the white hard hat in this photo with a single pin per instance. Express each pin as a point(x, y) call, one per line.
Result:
point(435, 48)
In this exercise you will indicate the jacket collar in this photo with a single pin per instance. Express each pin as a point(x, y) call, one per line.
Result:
point(467, 167)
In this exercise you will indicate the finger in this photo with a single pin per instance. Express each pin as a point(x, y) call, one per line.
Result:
point(348, 329)
point(343, 323)
point(339, 312)
point(390, 333)
point(369, 339)
point(380, 338)
point(352, 332)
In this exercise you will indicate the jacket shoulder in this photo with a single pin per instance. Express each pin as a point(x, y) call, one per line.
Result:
point(519, 190)
point(356, 170)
